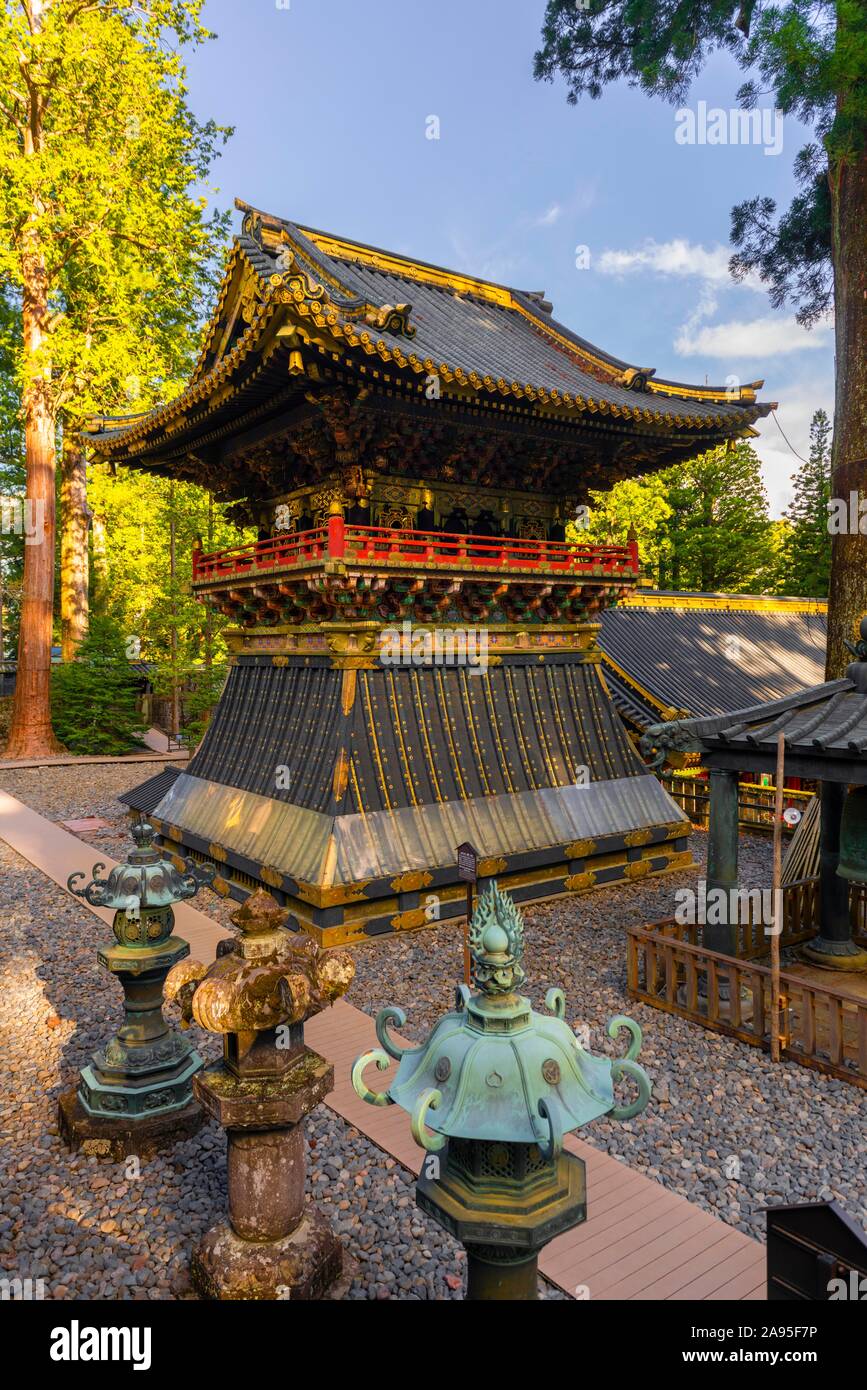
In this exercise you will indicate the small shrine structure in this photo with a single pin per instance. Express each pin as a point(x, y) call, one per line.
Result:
point(714, 971)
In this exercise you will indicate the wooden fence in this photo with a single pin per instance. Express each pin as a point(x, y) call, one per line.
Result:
point(755, 803)
point(669, 968)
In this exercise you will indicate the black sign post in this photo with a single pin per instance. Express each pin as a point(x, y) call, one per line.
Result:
point(468, 872)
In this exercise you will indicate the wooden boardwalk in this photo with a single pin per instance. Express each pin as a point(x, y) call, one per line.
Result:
point(57, 854)
point(640, 1241)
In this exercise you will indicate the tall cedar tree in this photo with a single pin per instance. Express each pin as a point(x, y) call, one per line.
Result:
point(94, 696)
point(719, 536)
point(810, 58)
point(806, 557)
point(103, 242)
point(13, 518)
point(701, 525)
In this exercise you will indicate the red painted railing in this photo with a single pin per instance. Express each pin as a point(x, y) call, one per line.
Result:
point(421, 549)
point(295, 548)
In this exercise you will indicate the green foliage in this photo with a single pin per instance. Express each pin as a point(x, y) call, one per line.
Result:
point(640, 504)
point(805, 560)
point(107, 249)
point(808, 56)
point(199, 688)
point(156, 609)
point(793, 258)
point(94, 697)
point(144, 518)
point(204, 686)
point(719, 534)
point(99, 157)
point(702, 525)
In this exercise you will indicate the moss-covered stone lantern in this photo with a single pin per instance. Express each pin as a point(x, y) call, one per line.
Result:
point(491, 1093)
point(258, 994)
point(136, 1092)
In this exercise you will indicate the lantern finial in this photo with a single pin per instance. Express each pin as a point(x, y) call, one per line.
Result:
point(497, 943)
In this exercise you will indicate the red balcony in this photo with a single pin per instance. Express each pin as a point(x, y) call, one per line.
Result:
point(376, 547)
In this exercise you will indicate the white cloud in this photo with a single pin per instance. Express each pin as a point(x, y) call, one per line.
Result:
point(550, 217)
point(678, 257)
point(739, 341)
point(705, 306)
point(762, 337)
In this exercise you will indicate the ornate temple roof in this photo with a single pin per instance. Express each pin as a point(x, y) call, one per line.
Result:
point(298, 305)
point(670, 654)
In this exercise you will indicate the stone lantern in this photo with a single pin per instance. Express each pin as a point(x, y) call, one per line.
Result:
point(258, 994)
point(491, 1093)
point(136, 1093)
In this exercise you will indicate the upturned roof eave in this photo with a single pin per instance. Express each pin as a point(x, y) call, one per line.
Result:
point(707, 733)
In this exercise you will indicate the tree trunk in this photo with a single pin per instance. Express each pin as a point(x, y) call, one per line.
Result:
point(74, 568)
point(848, 589)
point(31, 734)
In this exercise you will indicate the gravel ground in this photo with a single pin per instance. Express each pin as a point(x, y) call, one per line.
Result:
point(94, 1229)
point(92, 789)
point(725, 1128)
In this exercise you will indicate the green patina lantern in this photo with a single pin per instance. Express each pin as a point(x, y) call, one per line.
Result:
point(139, 1083)
point(491, 1094)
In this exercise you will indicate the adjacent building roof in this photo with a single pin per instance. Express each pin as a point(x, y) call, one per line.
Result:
point(824, 729)
point(295, 298)
point(670, 655)
point(147, 795)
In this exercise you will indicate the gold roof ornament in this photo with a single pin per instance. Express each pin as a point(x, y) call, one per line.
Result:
point(392, 318)
point(636, 378)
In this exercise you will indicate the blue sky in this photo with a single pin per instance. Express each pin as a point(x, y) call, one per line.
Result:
point(331, 100)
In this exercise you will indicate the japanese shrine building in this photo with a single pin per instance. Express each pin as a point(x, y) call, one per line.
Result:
point(413, 639)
